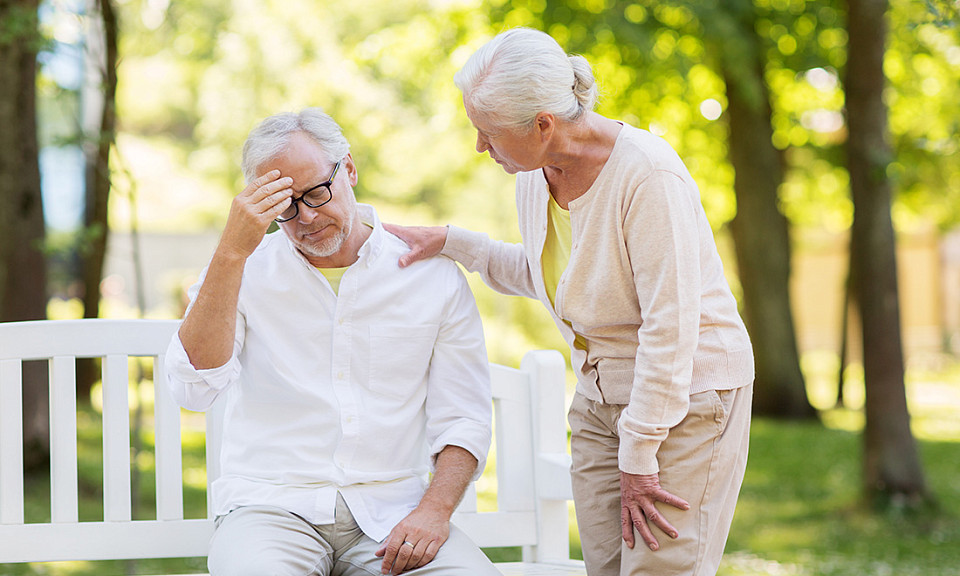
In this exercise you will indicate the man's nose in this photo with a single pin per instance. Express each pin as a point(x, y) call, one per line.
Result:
point(306, 214)
point(482, 145)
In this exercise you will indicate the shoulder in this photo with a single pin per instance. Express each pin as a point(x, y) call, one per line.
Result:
point(642, 159)
point(269, 246)
point(645, 152)
point(274, 256)
point(393, 247)
point(432, 283)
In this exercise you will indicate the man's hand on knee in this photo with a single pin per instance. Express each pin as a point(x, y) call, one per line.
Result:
point(414, 542)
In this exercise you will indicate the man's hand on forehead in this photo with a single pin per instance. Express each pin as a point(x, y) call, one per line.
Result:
point(253, 210)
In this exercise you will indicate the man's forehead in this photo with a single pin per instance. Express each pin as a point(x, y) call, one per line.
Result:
point(301, 158)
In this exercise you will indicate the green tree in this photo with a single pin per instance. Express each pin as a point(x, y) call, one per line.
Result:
point(760, 229)
point(96, 223)
point(23, 275)
point(892, 469)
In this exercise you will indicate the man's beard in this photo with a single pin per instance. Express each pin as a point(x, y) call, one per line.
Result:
point(329, 246)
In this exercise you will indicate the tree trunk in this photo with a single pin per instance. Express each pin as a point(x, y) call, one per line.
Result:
point(892, 469)
point(23, 274)
point(760, 231)
point(98, 184)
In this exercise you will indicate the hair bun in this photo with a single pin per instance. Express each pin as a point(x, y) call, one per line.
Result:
point(584, 85)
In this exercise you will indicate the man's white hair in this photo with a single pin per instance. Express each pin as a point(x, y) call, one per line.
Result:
point(270, 137)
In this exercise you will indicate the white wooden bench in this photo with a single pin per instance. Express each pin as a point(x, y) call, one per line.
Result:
point(532, 465)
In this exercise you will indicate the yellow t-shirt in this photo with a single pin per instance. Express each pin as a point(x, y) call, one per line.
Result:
point(556, 248)
point(333, 276)
point(556, 255)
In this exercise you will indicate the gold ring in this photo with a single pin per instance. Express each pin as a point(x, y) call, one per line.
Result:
point(410, 544)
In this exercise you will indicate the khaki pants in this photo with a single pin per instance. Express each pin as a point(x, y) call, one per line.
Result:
point(702, 461)
point(269, 541)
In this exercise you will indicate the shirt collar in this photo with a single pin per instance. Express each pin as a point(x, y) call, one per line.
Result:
point(370, 249)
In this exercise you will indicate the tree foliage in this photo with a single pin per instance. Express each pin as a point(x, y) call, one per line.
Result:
point(197, 74)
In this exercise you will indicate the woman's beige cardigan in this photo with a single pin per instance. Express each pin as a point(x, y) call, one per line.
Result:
point(644, 287)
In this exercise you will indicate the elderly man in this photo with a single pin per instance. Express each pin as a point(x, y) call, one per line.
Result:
point(347, 380)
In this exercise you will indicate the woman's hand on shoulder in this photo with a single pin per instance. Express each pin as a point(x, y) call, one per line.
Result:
point(424, 241)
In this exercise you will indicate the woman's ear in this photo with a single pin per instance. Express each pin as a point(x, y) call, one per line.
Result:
point(546, 124)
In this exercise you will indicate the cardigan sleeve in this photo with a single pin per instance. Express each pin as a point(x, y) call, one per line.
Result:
point(502, 265)
point(662, 238)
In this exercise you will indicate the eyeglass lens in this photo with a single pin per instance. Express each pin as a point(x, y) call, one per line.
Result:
point(314, 198)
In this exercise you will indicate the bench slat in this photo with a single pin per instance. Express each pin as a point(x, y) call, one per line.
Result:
point(498, 529)
point(116, 439)
point(167, 448)
point(87, 338)
point(514, 457)
point(547, 375)
point(11, 443)
point(63, 439)
point(106, 540)
point(570, 568)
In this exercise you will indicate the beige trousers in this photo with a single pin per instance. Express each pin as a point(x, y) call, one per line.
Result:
point(702, 461)
point(269, 541)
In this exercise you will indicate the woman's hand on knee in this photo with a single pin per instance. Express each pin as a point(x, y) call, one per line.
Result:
point(638, 495)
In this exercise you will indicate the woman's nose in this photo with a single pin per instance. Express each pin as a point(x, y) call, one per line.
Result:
point(482, 145)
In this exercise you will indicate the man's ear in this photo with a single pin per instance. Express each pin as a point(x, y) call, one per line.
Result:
point(351, 169)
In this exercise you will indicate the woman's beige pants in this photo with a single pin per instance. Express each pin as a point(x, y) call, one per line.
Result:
point(702, 461)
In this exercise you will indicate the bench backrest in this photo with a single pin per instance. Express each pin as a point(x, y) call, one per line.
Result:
point(532, 466)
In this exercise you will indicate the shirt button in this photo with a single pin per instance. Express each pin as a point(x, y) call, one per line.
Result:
point(340, 375)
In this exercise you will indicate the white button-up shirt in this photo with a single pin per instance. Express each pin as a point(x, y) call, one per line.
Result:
point(355, 393)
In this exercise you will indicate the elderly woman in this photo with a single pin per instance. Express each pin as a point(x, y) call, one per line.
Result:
point(617, 247)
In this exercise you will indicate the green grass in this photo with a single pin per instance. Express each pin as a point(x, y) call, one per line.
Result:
point(799, 512)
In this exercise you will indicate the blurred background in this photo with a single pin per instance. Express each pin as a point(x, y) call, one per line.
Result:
point(824, 136)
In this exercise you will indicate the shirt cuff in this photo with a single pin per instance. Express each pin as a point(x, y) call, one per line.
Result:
point(464, 246)
point(180, 367)
point(475, 439)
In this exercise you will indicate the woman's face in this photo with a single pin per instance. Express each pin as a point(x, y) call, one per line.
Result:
point(514, 151)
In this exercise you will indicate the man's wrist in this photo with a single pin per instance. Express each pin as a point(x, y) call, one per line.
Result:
point(438, 505)
point(229, 256)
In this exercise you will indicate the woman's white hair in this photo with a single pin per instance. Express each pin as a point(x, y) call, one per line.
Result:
point(522, 72)
point(269, 138)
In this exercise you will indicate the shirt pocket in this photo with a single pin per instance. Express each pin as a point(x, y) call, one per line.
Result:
point(400, 358)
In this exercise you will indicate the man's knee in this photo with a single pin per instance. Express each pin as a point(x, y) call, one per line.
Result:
point(247, 565)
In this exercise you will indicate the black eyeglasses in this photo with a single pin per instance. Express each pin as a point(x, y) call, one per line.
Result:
point(314, 197)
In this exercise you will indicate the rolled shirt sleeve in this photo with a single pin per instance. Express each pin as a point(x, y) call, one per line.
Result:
point(196, 389)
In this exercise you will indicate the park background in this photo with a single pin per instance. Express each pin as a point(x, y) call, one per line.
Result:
point(141, 108)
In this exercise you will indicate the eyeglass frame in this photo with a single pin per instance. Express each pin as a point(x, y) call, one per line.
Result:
point(327, 184)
